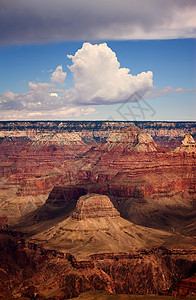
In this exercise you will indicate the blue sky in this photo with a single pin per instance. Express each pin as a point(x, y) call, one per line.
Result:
point(28, 92)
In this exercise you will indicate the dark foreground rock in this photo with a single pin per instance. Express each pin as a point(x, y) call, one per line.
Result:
point(28, 271)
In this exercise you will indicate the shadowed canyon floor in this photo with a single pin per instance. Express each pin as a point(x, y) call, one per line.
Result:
point(115, 213)
point(94, 226)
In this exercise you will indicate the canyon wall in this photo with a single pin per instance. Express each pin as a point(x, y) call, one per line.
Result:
point(29, 271)
point(50, 173)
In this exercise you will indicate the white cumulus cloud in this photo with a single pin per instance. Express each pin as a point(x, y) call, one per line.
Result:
point(99, 79)
point(59, 76)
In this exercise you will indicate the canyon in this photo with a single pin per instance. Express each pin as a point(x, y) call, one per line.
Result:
point(29, 271)
point(87, 206)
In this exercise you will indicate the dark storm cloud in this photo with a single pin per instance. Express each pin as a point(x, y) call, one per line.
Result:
point(40, 21)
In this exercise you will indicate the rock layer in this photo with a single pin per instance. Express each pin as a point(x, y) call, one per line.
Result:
point(187, 144)
point(130, 139)
point(154, 191)
point(94, 206)
point(29, 271)
point(145, 143)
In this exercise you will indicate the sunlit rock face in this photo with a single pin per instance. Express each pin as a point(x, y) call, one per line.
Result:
point(145, 142)
point(131, 139)
point(127, 136)
point(187, 144)
point(188, 140)
point(94, 206)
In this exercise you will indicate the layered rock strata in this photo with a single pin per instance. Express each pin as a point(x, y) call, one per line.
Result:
point(130, 139)
point(94, 206)
point(187, 144)
point(29, 271)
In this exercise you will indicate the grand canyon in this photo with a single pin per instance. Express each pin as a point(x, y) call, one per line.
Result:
point(94, 209)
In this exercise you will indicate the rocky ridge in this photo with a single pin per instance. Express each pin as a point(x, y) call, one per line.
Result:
point(164, 133)
point(62, 138)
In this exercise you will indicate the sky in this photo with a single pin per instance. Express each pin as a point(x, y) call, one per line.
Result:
point(98, 60)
